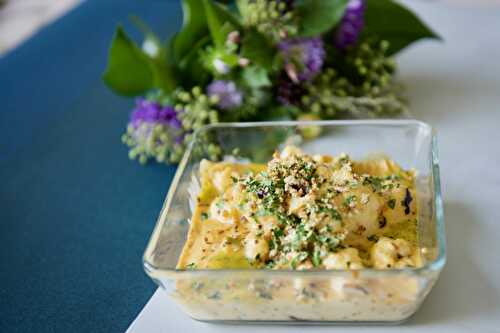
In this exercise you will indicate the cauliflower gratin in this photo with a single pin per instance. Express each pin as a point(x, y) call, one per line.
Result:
point(304, 212)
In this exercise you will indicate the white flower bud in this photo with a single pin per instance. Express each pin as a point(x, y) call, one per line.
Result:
point(150, 47)
point(243, 62)
point(234, 37)
point(220, 66)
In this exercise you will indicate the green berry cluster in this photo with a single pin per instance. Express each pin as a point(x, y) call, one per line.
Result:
point(321, 94)
point(196, 110)
point(152, 141)
point(365, 86)
point(270, 17)
point(331, 95)
point(371, 68)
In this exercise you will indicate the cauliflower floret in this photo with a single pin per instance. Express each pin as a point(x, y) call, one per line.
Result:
point(222, 179)
point(344, 259)
point(233, 195)
point(262, 224)
point(290, 151)
point(324, 171)
point(205, 166)
point(341, 177)
point(256, 247)
point(361, 209)
point(223, 211)
point(379, 166)
point(392, 253)
point(296, 204)
point(323, 158)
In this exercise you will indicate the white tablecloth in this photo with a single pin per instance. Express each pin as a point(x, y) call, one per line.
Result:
point(19, 19)
point(454, 86)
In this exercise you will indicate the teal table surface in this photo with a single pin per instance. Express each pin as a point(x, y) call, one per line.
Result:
point(75, 213)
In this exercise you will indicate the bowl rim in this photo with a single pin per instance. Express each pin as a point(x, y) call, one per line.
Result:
point(435, 265)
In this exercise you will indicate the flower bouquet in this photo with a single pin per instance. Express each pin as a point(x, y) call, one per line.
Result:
point(257, 60)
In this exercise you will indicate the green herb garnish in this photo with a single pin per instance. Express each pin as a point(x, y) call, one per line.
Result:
point(191, 266)
point(349, 200)
point(391, 203)
point(316, 259)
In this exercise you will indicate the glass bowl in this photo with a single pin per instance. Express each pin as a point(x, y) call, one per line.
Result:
point(308, 296)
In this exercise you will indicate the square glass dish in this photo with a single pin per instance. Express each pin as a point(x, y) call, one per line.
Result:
point(307, 296)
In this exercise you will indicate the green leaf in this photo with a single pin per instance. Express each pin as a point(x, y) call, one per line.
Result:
point(190, 67)
point(194, 27)
point(395, 23)
point(319, 16)
point(152, 45)
point(129, 71)
point(256, 77)
point(132, 72)
point(164, 76)
point(169, 53)
point(144, 28)
point(258, 49)
point(227, 16)
point(220, 21)
point(214, 23)
point(164, 68)
point(242, 6)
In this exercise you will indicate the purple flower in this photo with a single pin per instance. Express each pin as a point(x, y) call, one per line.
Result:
point(152, 112)
point(228, 95)
point(352, 23)
point(154, 131)
point(303, 57)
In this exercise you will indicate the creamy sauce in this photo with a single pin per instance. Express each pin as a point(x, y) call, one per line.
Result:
point(306, 213)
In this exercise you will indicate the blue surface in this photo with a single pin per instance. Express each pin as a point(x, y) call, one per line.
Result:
point(75, 213)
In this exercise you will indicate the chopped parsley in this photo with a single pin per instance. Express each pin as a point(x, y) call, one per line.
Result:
point(301, 199)
point(272, 244)
point(316, 259)
point(264, 294)
point(197, 285)
point(331, 243)
point(191, 266)
point(374, 182)
point(220, 204)
point(391, 203)
point(270, 264)
point(293, 263)
point(215, 295)
point(332, 212)
point(344, 159)
point(350, 201)
point(278, 233)
point(300, 257)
